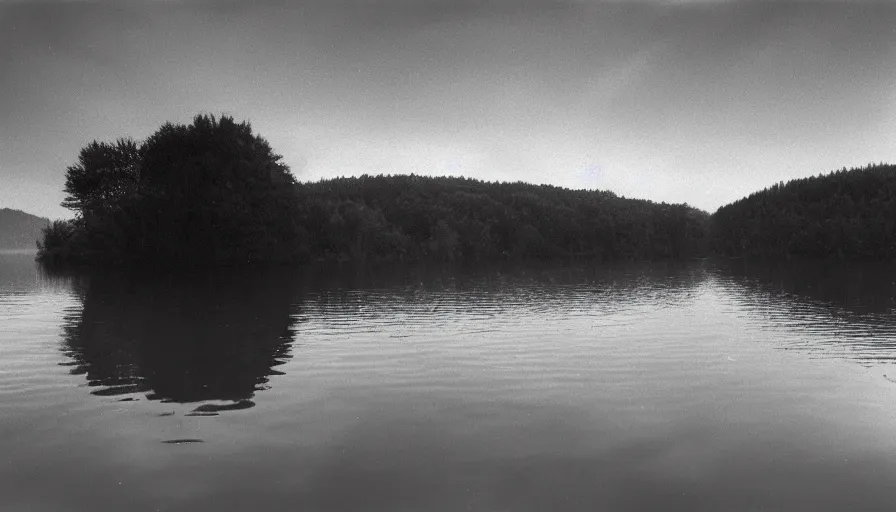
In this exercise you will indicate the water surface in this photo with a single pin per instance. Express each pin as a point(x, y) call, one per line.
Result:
point(699, 386)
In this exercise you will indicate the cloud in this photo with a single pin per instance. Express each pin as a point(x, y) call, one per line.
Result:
point(725, 97)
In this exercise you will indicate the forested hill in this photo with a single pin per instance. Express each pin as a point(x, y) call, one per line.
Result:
point(214, 193)
point(20, 230)
point(446, 218)
point(848, 214)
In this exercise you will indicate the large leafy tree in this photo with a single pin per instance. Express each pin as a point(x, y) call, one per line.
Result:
point(106, 175)
point(213, 190)
point(208, 192)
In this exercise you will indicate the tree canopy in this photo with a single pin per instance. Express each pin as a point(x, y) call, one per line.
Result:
point(106, 174)
point(458, 219)
point(847, 214)
point(213, 192)
point(210, 191)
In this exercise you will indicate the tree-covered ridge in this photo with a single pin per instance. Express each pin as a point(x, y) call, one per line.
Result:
point(213, 192)
point(847, 214)
point(447, 218)
point(19, 230)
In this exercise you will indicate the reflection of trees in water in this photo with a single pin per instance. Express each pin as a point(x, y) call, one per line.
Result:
point(853, 287)
point(209, 337)
point(547, 288)
point(220, 336)
point(847, 308)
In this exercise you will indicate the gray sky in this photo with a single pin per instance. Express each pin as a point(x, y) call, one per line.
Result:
point(677, 101)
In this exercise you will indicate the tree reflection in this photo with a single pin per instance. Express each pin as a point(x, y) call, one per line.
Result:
point(834, 308)
point(204, 337)
point(866, 287)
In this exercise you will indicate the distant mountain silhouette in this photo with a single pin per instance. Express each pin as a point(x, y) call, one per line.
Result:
point(20, 230)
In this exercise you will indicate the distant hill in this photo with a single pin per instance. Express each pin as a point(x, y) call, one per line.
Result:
point(20, 230)
point(847, 214)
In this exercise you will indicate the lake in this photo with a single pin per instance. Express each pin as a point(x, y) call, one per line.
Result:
point(704, 385)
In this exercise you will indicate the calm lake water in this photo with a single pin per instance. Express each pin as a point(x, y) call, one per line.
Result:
point(701, 386)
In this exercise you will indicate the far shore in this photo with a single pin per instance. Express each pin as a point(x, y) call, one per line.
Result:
point(18, 251)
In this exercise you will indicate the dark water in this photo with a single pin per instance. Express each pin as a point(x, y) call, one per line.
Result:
point(705, 386)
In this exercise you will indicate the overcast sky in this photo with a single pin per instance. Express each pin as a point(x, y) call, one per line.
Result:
point(676, 101)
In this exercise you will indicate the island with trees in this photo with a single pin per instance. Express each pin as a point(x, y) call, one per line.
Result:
point(215, 193)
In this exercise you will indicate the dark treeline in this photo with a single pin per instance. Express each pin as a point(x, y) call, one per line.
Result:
point(847, 214)
point(458, 219)
point(212, 192)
